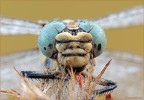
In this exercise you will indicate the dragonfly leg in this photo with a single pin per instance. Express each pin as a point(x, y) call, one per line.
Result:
point(37, 75)
point(109, 86)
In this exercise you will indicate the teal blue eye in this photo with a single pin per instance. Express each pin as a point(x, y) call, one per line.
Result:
point(47, 36)
point(99, 38)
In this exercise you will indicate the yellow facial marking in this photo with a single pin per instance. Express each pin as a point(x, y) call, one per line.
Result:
point(81, 36)
point(74, 51)
point(78, 61)
point(86, 46)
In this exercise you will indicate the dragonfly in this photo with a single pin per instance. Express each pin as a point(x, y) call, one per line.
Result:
point(123, 19)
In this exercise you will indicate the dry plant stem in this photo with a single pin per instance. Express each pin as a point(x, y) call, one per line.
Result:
point(71, 90)
point(25, 81)
point(89, 79)
point(46, 71)
point(35, 92)
point(61, 82)
point(72, 81)
point(60, 86)
point(90, 76)
point(11, 92)
point(72, 74)
point(98, 78)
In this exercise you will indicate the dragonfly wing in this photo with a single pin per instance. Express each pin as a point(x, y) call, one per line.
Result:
point(11, 26)
point(129, 17)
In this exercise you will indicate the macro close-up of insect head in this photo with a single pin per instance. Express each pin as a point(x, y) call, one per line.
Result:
point(72, 50)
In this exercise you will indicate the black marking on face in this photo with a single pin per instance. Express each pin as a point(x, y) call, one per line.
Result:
point(81, 47)
point(79, 69)
point(76, 69)
point(68, 41)
point(44, 48)
point(54, 55)
point(95, 45)
point(67, 55)
point(99, 47)
point(68, 47)
point(78, 46)
point(50, 46)
point(43, 24)
point(73, 32)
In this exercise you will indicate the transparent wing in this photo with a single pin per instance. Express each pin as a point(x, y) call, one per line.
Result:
point(11, 26)
point(129, 17)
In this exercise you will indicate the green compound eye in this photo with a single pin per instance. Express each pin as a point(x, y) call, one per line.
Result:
point(98, 36)
point(47, 36)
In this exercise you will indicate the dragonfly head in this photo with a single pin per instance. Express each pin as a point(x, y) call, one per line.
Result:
point(74, 42)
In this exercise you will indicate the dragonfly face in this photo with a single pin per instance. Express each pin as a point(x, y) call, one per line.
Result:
point(76, 42)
